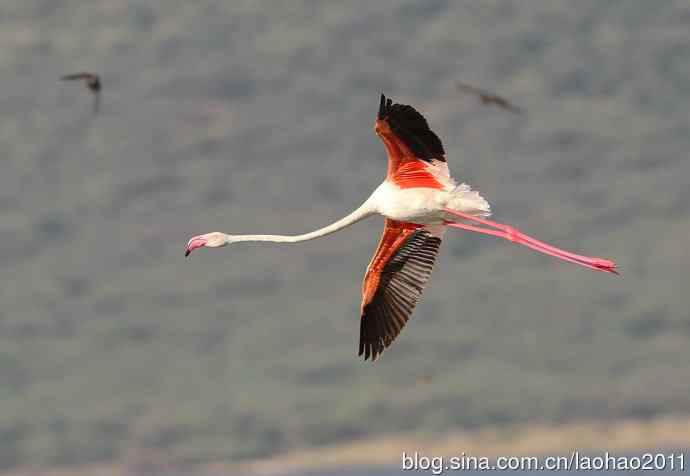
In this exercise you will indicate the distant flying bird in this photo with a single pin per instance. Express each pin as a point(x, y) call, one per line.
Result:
point(93, 82)
point(488, 97)
point(418, 200)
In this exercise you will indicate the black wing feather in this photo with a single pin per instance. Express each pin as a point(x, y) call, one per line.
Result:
point(413, 129)
point(401, 284)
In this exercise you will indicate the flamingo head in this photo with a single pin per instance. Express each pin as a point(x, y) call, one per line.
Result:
point(209, 240)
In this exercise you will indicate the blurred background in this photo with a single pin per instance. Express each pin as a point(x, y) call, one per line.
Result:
point(118, 354)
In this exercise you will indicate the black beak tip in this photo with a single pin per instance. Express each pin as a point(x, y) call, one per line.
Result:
point(186, 253)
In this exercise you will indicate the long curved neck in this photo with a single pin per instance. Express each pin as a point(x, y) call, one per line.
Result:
point(367, 209)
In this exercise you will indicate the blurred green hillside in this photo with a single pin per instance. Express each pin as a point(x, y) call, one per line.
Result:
point(253, 117)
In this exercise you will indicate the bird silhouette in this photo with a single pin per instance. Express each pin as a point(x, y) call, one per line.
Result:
point(93, 82)
point(489, 98)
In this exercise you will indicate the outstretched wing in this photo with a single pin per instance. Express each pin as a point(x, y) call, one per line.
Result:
point(406, 135)
point(468, 88)
point(75, 76)
point(394, 281)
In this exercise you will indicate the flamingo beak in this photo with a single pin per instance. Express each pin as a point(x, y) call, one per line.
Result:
point(194, 243)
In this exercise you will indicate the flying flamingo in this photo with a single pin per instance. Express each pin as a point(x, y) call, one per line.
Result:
point(419, 200)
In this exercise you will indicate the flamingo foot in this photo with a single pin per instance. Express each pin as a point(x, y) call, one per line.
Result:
point(516, 236)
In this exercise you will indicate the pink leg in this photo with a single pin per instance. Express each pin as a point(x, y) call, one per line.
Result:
point(511, 234)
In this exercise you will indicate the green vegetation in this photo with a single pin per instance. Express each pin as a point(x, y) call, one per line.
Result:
point(257, 117)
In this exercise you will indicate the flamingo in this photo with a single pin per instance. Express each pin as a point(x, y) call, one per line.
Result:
point(419, 201)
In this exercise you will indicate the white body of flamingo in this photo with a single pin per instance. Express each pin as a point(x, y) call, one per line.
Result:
point(419, 200)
